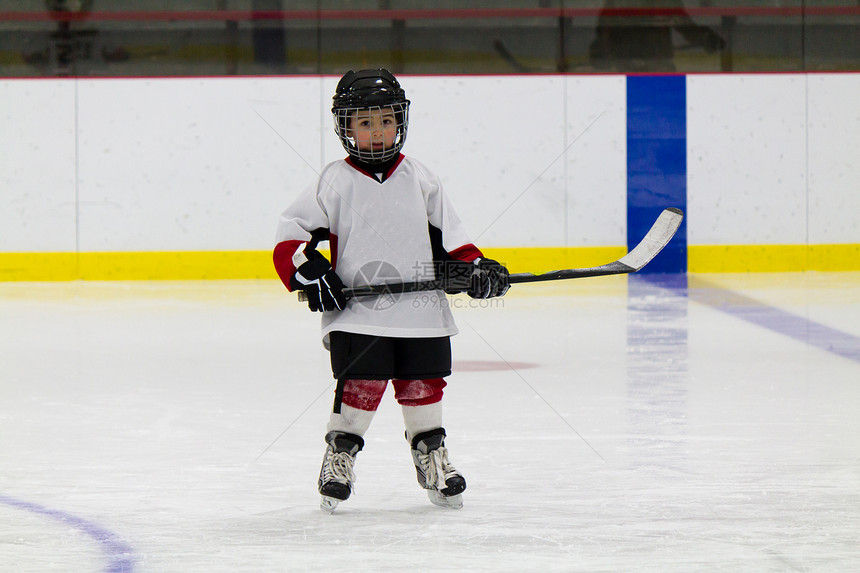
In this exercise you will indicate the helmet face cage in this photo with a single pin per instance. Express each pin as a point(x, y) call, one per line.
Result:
point(342, 117)
point(369, 92)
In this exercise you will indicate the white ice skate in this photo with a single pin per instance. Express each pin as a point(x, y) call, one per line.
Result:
point(336, 481)
point(436, 474)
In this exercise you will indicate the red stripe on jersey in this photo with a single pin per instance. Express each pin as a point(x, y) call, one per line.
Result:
point(332, 245)
point(466, 253)
point(283, 259)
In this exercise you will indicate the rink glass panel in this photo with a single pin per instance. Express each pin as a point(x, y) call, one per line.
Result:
point(56, 38)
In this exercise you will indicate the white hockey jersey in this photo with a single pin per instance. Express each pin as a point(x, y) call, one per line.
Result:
point(384, 230)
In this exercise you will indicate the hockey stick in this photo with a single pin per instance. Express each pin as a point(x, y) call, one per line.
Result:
point(658, 236)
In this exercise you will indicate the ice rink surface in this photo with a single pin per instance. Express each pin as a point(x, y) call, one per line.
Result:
point(670, 423)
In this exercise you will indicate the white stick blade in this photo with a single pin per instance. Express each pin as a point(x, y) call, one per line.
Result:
point(658, 236)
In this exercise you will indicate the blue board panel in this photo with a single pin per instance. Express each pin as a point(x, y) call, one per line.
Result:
point(657, 162)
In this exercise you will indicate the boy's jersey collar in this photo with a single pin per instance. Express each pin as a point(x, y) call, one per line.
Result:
point(377, 172)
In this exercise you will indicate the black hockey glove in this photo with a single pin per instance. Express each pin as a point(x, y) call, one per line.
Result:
point(489, 280)
point(319, 281)
point(481, 278)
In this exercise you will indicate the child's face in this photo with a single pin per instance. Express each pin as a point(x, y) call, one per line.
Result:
point(373, 130)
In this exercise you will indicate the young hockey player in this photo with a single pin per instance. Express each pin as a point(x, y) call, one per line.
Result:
point(387, 219)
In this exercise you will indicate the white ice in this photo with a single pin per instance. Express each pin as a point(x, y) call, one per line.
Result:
point(602, 424)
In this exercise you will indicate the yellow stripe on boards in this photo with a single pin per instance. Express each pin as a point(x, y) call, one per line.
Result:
point(834, 257)
point(38, 266)
point(177, 265)
point(772, 258)
point(202, 265)
point(182, 265)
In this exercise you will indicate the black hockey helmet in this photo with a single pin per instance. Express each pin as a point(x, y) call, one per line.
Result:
point(369, 90)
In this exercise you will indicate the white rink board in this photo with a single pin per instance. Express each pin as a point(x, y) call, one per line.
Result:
point(597, 160)
point(536, 161)
point(834, 158)
point(191, 164)
point(488, 147)
point(188, 164)
point(746, 167)
point(37, 166)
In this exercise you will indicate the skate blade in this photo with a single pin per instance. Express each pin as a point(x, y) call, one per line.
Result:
point(451, 502)
point(328, 504)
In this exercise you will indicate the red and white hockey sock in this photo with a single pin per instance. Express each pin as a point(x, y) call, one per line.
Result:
point(360, 400)
point(421, 401)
